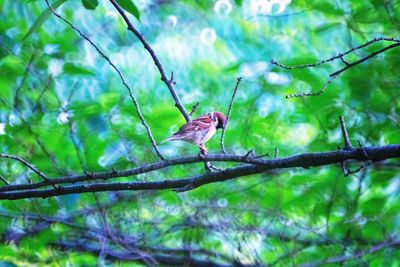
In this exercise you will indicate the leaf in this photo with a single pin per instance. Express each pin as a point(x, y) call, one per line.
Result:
point(327, 26)
point(90, 4)
point(329, 8)
point(129, 6)
point(42, 18)
point(239, 2)
point(71, 68)
point(5, 42)
point(377, 3)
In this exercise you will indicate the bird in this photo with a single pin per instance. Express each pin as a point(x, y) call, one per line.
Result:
point(199, 130)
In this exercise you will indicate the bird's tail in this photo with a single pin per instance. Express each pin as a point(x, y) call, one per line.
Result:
point(171, 138)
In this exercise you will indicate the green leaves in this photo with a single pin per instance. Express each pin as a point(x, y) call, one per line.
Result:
point(70, 68)
point(90, 4)
point(74, 115)
point(42, 18)
point(129, 6)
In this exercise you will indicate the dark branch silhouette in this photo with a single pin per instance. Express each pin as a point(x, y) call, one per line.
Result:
point(168, 82)
point(340, 56)
point(228, 114)
point(254, 166)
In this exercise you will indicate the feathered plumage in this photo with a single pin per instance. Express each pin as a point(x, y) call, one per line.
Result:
point(200, 130)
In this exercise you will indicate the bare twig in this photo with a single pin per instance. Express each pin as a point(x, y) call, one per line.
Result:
point(350, 65)
point(194, 108)
point(229, 114)
point(25, 75)
point(335, 74)
point(46, 87)
point(347, 143)
point(276, 152)
point(350, 172)
point(339, 56)
point(362, 147)
point(331, 79)
point(255, 166)
point(131, 95)
point(4, 180)
point(168, 82)
point(27, 164)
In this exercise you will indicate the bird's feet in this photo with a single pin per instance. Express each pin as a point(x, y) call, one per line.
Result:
point(203, 151)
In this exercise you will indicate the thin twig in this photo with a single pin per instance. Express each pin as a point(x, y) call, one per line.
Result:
point(347, 143)
point(168, 82)
point(194, 108)
point(339, 56)
point(4, 180)
point(350, 172)
point(27, 164)
point(131, 95)
point(229, 114)
point(331, 79)
point(25, 75)
point(276, 153)
point(350, 65)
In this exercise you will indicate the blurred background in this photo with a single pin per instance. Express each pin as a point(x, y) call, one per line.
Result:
point(65, 110)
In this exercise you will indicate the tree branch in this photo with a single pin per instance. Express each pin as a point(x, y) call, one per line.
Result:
point(131, 95)
point(347, 143)
point(350, 65)
point(339, 56)
point(27, 164)
point(256, 166)
point(168, 82)
point(114, 254)
point(359, 254)
point(229, 114)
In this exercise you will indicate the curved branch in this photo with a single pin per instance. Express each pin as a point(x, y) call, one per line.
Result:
point(183, 184)
point(335, 74)
point(339, 56)
point(131, 95)
point(168, 82)
point(350, 65)
point(229, 114)
point(27, 164)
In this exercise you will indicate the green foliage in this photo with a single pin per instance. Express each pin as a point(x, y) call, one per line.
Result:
point(68, 113)
point(42, 18)
point(90, 4)
point(130, 6)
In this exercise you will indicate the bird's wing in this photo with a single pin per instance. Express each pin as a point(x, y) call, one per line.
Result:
point(204, 122)
point(197, 127)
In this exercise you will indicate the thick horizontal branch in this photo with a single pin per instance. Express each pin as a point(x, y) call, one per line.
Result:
point(255, 166)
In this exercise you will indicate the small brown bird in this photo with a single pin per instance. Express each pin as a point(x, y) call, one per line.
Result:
point(200, 130)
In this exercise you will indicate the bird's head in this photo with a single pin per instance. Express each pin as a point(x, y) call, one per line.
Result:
point(221, 119)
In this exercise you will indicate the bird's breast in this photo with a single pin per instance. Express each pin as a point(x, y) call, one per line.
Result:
point(208, 134)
